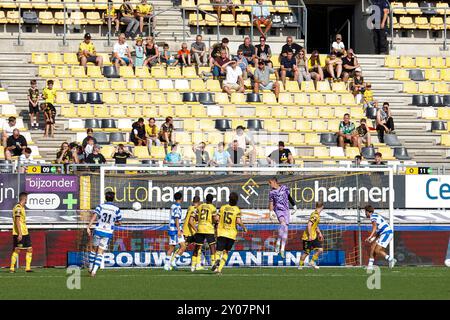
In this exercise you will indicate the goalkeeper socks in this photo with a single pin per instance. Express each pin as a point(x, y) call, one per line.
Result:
point(28, 258)
point(371, 261)
point(223, 260)
point(277, 245)
point(14, 258)
point(97, 262)
point(91, 260)
point(387, 257)
point(283, 244)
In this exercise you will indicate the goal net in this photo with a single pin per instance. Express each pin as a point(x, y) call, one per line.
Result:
point(142, 239)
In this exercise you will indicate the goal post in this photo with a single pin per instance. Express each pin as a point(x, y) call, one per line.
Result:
point(344, 191)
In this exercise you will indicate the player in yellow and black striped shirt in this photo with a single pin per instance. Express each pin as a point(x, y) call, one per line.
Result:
point(312, 238)
point(21, 237)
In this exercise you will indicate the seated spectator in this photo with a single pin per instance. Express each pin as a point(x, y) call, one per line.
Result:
point(363, 134)
point(74, 149)
point(151, 51)
point(346, 133)
point(216, 51)
point(378, 160)
point(8, 129)
point(227, 6)
point(166, 56)
point(127, 17)
point(290, 46)
point(248, 50)
point(173, 157)
point(243, 65)
point(358, 160)
point(261, 16)
point(233, 80)
point(338, 47)
point(139, 52)
point(25, 159)
point(120, 155)
point(334, 66)
point(144, 12)
point(95, 157)
point(368, 100)
point(87, 52)
point(199, 52)
point(121, 53)
point(263, 52)
point(201, 155)
point(288, 67)
point(113, 15)
point(90, 133)
point(245, 141)
point(349, 64)
point(33, 105)
point(314, 67)
point(221, 157)
point(137, 134)
point(89, 148)
point(151, 131)
point(357, 85)
point(218, 63)
point(281, 156)
point(302, 66)
point(64, 155)
point(384, 121)
point(237, 154)
point(262, 79)
point(15, 144)
point(184, 55)
point(48, 108)
point(166, 133)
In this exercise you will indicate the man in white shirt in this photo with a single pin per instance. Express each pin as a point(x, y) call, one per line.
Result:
point(245, 142)
point(25, 159)
point(338, 46)
point(261, 16)
point(121, 52)
point(8, 128)
point(233, 80)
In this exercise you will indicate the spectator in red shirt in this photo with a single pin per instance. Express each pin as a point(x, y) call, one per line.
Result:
point(184, 55)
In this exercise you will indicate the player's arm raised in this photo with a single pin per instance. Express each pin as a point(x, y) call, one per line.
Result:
point(373, 233)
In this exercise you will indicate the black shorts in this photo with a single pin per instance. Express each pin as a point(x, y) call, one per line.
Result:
point(308, 246)
point(33, 109)
point(24, 243)
point(201, 237)
point(91, 59)
point(189, 239)
point(224, 243)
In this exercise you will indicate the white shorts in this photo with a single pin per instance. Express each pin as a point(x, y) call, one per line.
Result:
point(175, 239)
point(101, 242)
point(385, 238)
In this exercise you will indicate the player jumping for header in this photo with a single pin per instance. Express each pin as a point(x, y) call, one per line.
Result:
point(380, 237)
point(279, 199)
point(107, 215)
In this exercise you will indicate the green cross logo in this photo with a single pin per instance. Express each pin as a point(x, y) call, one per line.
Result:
point(70, 201)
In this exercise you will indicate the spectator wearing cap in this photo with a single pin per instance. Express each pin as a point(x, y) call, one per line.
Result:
point(218, 71)
point(262, 79)
point(89, 134)
point(248, 51)
point(263, 52)
point(334, 66)
point(280, 156)
point(261, 16)
point(290, 45)
point(349, 64)
point(87, 53)
point(137, 135)
point(127, 17)
point(363, 134)
point(357, 86)
point(216, 51)
point(8, 129)
point(338, 47)
point(245, 141)
point(233, 80)
point(15, 144)
point(288, 67)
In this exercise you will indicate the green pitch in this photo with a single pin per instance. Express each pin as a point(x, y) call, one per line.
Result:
point(242, 283)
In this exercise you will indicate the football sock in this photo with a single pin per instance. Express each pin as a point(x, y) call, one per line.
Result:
point(315, 257)
point(223, 260)
point(28, 258)
point(194, 260)
point(283, 244)
point(97, 262)
point(91, 260)
point(371, 261)
point(14, 258)
point(387, 257)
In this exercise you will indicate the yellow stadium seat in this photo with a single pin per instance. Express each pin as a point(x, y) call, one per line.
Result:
point(348, 99)
point(339, 87)
point(243, 20)
point(422, 62)
point(134, 85)
point(149, 111)
point(227, 20)
point(85, 85)
point(230, 111)
point(188, 3)
point(190, 125)
point(182, 111)
point(68, 111)
point(238, 98)
point(158, 152)
point(398, 8)
point(326, 113)
point(319, 126)
point(285, 99)
point(158, 98)
point(93, 17)
point(395, 23)
point(46, 72)
point(198, 85)
point(269, 98)
point(85, 111)
point(142, 72)
point(213, 85)
point(118, 85)
point(211, 19)
point(133, 111)
point(270, 125)
point(278, 112)
point(142, 98)
point(422, 23)
point(106, 58)
point(55, 58)
point(321, 153)
point(206, 124)
point(425, 87)
point(150, 85)
point(158, 72)
point(174, 98)
point(332, 99)
point(413, 8)
point(441, 87)
point(441, 7)
point(126, 98)
point(189, 72)
point(141, 152)
point(126, 72)
point(304, 126)
point(322, 86)
point(94, 72)
point(312, 139)
point(445, 74)
point(39, 58)
point(352, 152)
point(301, 99)
point(194, 19)
point(13, 17)
point(59, 17)
point(101, 84)
point(70, 58)
point(410, 87)
point(198, 111)
point(387, 153)
point(109, 97)
point(407, 23)
point(62, 71)
point(78, 71)
point(432, 75)
point(401, 74)
point(57, 84)
point(437, 62)
point(310, 112)
point(407, 62)
point(316, 99)
point(445, 140)
point(357, 113)
point(437, 23)
point(77, 17)
point(339, 112)
point(391, 62)
point(117, 111)
point(8, 4)
point(296, 139)
point(69, 84)
point(101, 111)
point(292, 86)
point(261, 111)
point(174, 72)
point(308, 86)
point(46, 17)
point(61, 98)
point(294, 112)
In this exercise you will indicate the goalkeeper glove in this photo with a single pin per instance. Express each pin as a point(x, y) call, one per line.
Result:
point(294, 210)
point(272, 215)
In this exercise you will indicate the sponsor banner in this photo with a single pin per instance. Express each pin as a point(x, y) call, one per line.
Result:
point(427, 191)
point(8, 190)
point(51, 183)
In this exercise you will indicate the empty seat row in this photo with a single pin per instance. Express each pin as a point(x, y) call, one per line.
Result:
point(434, 23)
point(280, 6)
point(441, 113)
point(426, 87)
point(414, 8)
point(431, 100)
point(421, 75)
point(59, 4)
point(416, 62)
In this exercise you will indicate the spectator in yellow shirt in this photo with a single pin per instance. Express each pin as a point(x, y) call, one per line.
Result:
point(111, 13)
point(87, 52)
point(145, 12)
point(49, 95)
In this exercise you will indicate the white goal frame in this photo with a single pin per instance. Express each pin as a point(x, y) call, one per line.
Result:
point(269, 170)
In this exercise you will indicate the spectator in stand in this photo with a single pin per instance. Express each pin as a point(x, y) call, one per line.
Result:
point(281, 156)
point(73, 147)
point(87, 52)
point(262, 79)
point(95, 157)
point(338, 47)
point(8, 129)
point(33, 105)
point(227, 6)
point(166, 133)
point(15, 144)
point(368, 96)
point(139, 52)
point(248, 50)
point(216, 51)
point(201, 155)
point(48, 108)
point(237, 154)
point(290, 46)
point(112, 14)
point(151, 131)
point(302, 66)
point(334, 66)
point(357, 86)
point(151, 53)
point(346, 133)
point(245, 142)
point(90, 133)
point(378, 160)
point(363, 134)
point(121, 53)
point(184, 55)
point(218, 63)
point(314, 67)
point(199, 52)
point(380, 32)
point(120, 155)
point(173, 157)
point(288, 67)
point(137, 134)
point(144, 12)
point(166, 56)
point(263, 52)
point(221, 157)
point(127, 17)
point(358, 160)
point(233, 80)
point(89, 148)
point(243, 65)
point(384, 121)
point(349, 65)
point(64, 155)
point(25, 159)
point(261, 16)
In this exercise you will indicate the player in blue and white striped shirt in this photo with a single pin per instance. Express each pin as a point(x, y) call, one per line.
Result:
point(107, 215)
point(380, 237)
point(175, 233)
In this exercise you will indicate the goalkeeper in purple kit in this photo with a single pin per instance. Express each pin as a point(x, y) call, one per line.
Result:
point(279, 199)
